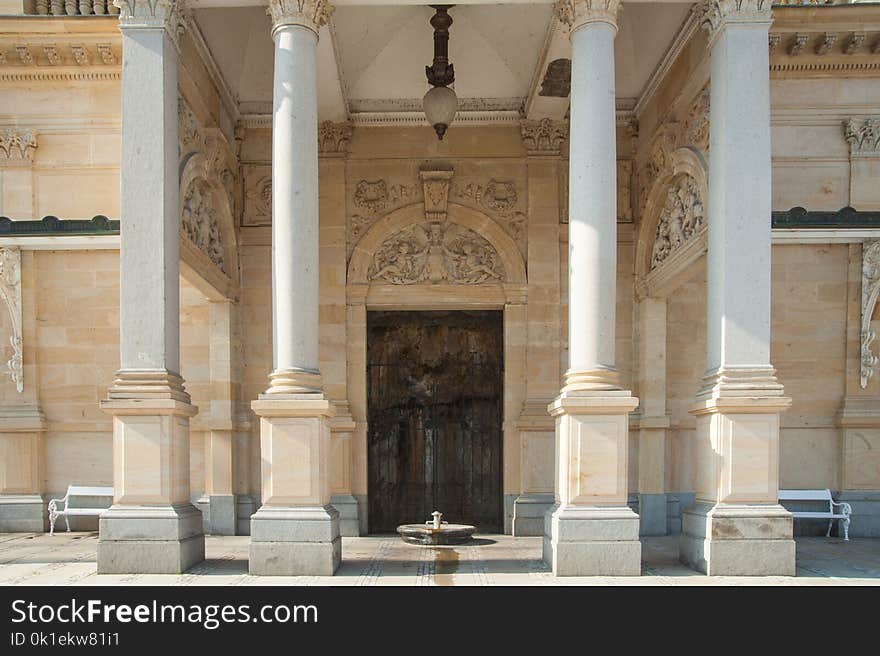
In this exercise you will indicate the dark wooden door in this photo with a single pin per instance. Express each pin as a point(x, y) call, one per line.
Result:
point(434, 393)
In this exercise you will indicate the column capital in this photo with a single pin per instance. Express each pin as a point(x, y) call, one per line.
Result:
point(152, 14)
point(717, 14)
point(577, 13)
point(312, 14)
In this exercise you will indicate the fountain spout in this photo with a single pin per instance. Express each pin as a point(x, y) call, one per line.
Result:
point(436, 515)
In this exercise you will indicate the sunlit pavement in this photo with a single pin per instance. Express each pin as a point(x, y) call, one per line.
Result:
point(69, 559)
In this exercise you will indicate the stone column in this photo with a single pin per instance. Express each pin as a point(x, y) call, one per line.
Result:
point(591, 530)
point(653, 420)
point(737, 526)
point(296, 531)
point(152, 527)
point(219, 441)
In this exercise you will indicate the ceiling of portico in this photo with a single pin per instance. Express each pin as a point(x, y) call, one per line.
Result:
point(372, 58)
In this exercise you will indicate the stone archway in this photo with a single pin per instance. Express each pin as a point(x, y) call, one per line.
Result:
point(477, 266)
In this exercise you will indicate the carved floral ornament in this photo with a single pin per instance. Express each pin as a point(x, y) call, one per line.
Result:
point(682, 218)
point(870, 292)
point(435, 252)
point(10, 291)
point(313, 14)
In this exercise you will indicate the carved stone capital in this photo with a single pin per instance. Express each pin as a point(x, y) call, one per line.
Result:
point(863, 136)
point(577, 13)
point(716, 14)
point(544, 137)
point(333, 138)
point(152, 14)
point(17, 146)
point(312, 14)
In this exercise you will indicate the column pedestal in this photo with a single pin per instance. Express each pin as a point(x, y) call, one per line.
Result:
point(296, 530)
point(737, 527)
point(22, 458)
point(591, 531)
point(151, 528)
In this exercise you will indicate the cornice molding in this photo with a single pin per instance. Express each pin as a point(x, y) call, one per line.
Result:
point(52, 225)
point(844, 218)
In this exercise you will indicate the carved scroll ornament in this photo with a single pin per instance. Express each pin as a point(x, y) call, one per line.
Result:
point(436, 253)
point(10, 290)
point(682, 218)
point(870, 291)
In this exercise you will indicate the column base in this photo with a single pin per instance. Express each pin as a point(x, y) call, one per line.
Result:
point(528, 514)
point(245, 507)
point(592, 541)
point(22, 513)
point(219, 513)
point(351, 514)
point(295, 541)
point(722, 540)
point(652, 514)
point(150, 540)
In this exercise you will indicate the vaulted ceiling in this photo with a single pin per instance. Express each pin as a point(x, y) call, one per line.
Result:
point(371, 59)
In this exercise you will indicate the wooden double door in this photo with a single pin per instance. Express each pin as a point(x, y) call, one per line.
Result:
point(435, 395)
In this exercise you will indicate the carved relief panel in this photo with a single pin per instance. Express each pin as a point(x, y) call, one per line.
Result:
point(257, 199)
point(682, 218)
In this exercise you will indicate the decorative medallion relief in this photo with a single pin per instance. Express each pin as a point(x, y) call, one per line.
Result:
point(863, 136)
point(199, 223)
point(436, 253)
point(870, 292)
point(257, 195)
point(10, 291)
point(17, 146)
point(682, 218)
point(372, 199)
point(498, 198)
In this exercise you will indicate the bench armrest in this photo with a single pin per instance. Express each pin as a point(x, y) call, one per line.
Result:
point(845, 508)
point(53, 504)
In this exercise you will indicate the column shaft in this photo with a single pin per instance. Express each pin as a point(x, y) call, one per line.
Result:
point(296, 531)
point(591, 530)
point(152, 527)
point(295, 211)
point(737, 526)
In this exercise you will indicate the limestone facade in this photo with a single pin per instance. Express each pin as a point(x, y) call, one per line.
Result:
point(480, 220)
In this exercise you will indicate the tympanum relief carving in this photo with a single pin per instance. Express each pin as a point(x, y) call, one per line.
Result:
point(200, 225)
point(436, 253)
point(682, 218)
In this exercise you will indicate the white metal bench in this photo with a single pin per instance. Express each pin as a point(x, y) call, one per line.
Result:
point(819, 495)
point(72, 500)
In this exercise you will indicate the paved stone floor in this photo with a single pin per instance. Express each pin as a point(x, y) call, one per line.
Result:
point(69, 559)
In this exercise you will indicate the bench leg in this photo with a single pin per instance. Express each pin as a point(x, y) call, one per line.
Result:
point(830, 524)
point(51, 524)
point(846, 529)
point(67, 521)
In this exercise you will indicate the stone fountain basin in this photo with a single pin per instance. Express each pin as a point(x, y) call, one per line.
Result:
point(426, 534)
